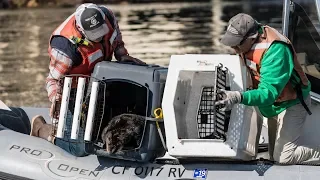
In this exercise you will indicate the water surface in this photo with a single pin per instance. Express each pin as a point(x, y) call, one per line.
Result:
point(152, 32)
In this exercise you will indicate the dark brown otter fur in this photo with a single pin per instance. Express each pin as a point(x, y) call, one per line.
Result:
point(123, 131)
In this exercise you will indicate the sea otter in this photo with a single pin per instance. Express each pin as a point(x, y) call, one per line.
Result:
point(123, 132)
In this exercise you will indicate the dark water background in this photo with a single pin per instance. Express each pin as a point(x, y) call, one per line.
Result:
point(152, 32)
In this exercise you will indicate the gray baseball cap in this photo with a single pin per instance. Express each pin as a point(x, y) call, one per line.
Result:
point(91, 19)
point(240, 27)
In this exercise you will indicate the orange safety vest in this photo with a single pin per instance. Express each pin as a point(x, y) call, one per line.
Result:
point(91, 54)
point(254, 56)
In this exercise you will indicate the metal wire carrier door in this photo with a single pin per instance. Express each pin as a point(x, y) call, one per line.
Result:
point(212, 123)
point(78, 115)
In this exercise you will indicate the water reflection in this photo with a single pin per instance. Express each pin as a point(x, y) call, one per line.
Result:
point(152, 32)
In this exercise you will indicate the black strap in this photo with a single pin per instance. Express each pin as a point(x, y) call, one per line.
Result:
point(298, 89)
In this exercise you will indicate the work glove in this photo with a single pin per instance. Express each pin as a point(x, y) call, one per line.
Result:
point(228, 99)
point(128, 58)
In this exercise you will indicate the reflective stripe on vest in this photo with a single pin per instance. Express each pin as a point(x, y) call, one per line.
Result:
point(95, 56)
point(113, 37)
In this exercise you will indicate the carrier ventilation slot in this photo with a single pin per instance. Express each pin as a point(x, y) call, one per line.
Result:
point(213, 124)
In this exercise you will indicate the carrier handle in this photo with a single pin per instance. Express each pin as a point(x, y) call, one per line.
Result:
point(158, 114)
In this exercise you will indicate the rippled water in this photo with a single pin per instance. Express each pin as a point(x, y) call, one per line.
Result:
point(152, 32)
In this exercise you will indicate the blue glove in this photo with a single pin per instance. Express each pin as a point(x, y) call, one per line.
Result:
point(229, 98)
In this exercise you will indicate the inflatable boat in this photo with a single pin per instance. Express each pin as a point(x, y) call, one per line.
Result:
point(28, 157)
point(191, 141)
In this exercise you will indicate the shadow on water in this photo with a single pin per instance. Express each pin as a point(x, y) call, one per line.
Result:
point(152, 32)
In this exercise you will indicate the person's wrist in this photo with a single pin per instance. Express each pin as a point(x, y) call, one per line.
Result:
point(239, 96)
point(124, 57)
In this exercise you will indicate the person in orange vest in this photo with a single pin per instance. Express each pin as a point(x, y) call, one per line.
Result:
point(88, 36)
point(280, 88)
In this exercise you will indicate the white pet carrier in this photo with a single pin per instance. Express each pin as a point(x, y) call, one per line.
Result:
point(194, 126)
